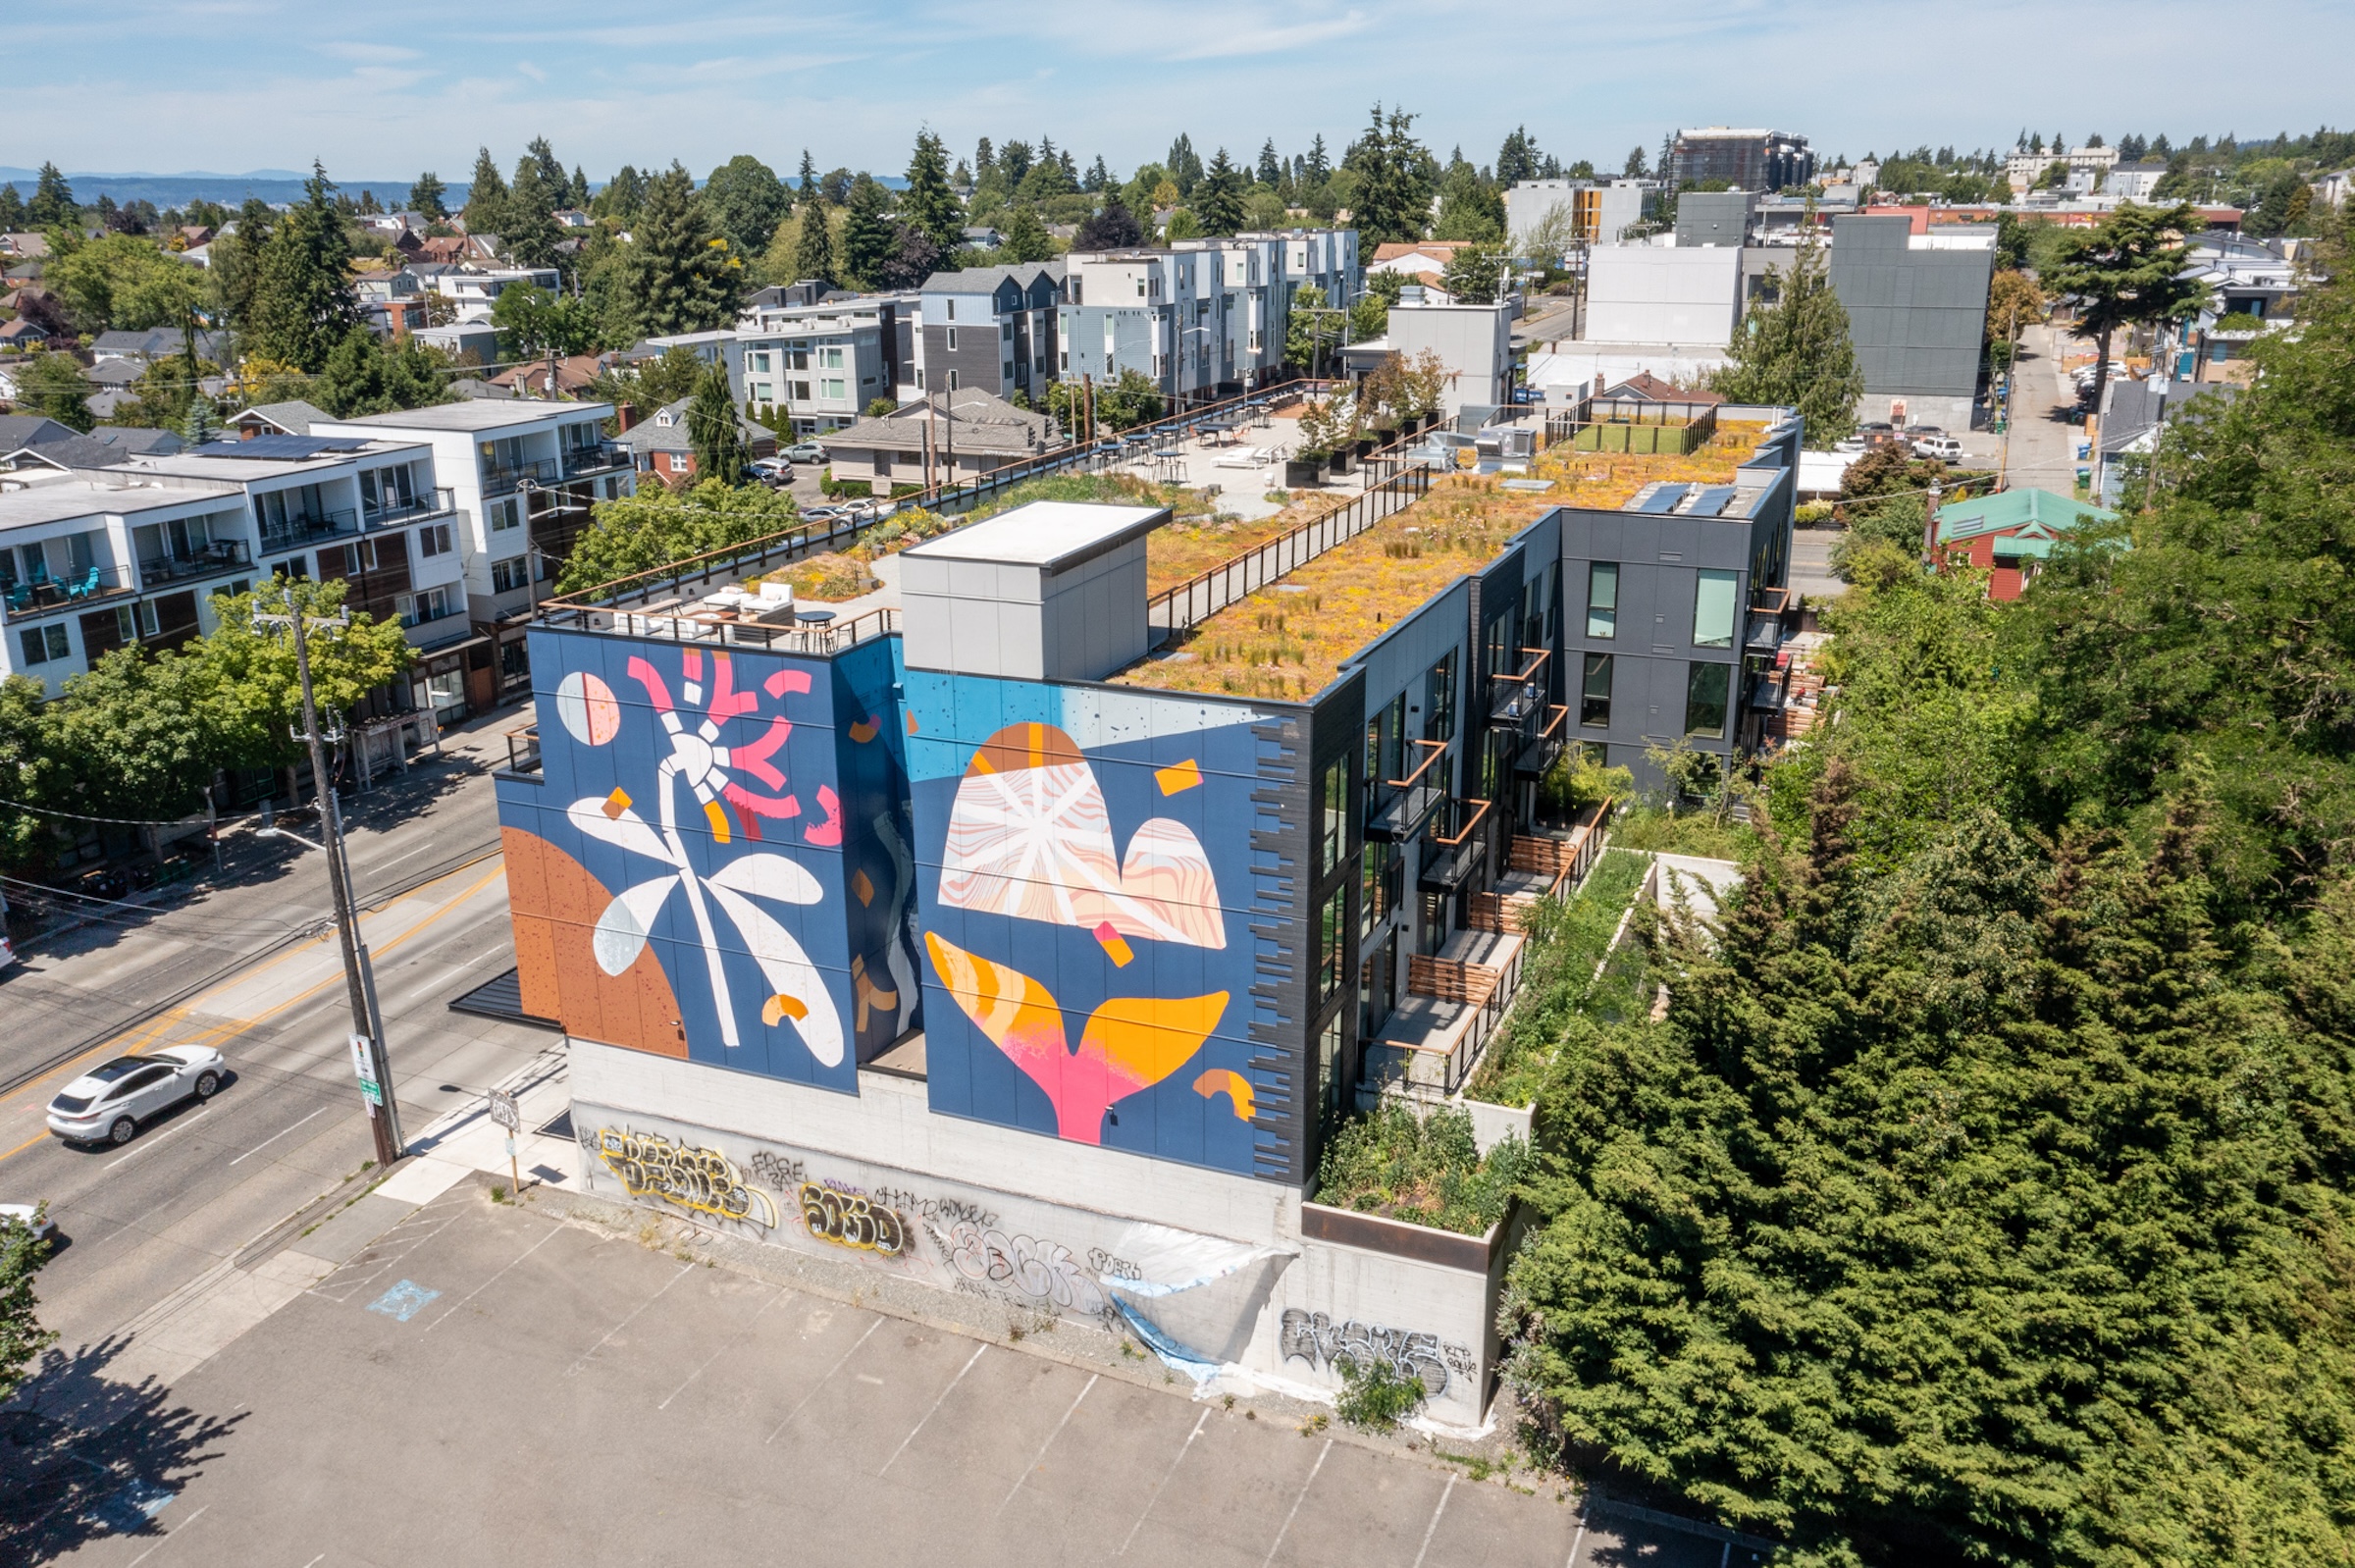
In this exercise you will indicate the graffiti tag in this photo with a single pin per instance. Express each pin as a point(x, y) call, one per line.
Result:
point(852, 1220)
point(943, 1211)
point(1106, 1266)
point(776, 1169)
point(1313, 1338)
point(1043, 1271)
point(704, 1180)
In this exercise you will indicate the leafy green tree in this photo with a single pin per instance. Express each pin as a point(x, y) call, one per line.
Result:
point(1217, 196)
point(1370, 312)
point(657, 527)
point(53, 385)
point(52, 205)
point(1128, 402)
point(21, 1337)
point(255, 696)
point(429, 198)
point(1470, 208)
point(868, 238)
point(928, 204)
point(1026, 238)
point(363, 376)
point(1313, 333)
point(1392, 200)
point(748, 201)
point(814, 242)
point(2131, 269)
point(676, 275)
point(28, 771)
point(532, 322)
point(302, 295)
point(1115, 228)
point(1474, 275)
point(1796, 351)
point(123, 281)
point(713, 432)
point(135, 734)
point(485, 198)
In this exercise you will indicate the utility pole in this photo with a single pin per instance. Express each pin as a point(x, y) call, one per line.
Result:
point(359, 980)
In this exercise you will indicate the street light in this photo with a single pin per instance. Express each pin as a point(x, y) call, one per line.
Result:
point(359, 979)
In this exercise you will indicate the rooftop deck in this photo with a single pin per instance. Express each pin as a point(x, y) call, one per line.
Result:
point(1289, 640)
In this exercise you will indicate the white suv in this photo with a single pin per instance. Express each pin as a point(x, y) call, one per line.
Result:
point(108, 1103)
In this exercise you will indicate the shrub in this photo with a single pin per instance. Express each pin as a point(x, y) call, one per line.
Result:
point(1376, 1395)
point(1423, 1170)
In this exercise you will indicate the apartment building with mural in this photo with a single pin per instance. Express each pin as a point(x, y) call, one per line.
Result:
point(985, 939)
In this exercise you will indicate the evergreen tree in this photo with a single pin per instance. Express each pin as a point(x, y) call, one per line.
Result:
point(712, 431)
point(1517, 159)
point(1025, 238)
point(1318, 166)
point(813, 246)
point(531, 235)
point(576, 191)
point(985, 158)
point(676, 274)
point(302, 300)
point(1271, 167)
point(1183, 164)
point(622, 196)
point(427, 195)
point(1099, 178)
point(1635, 168)
point(928, 204)
point(1217, 201)
point(52, 205)
point(748, 201)
point(1393, 191)
point(552, 171)
point(12, 209)
point(485, 198)
point(362, 376)
point(1797, 352)
point(2130, 269)
point(867, 240)
point(1470, 208)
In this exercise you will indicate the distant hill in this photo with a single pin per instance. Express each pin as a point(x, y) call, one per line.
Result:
point(271, 185)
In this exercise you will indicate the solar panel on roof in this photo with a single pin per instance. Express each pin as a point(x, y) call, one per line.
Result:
point(1664, 499)
point(283, 448)
point(1711, 500)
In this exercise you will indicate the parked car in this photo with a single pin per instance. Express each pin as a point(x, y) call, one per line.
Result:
point(1944, 447)
point(821, 514)
point(108, 1103)
point(774, 472)
point(29, 1215)
point(804, 451)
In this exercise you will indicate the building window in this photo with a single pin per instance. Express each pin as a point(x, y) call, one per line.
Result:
point(951, 316)
point(801, 391)
point(1595, 694)
point(952, 339)
point(1706, 687)
point(509, 575)
point(433, 540)
point(1329, 1075)
point(1330, 919)
point(952, 381)
point(506, 514)
point(1332, 815)
point(42, 644)
point(832, 359)
point(1713, 609)
point(833, 387)
point(1377, 893)
point(1438, 700)
point(1602, 599)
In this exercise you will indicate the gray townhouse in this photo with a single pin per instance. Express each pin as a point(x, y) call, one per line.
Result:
point(991, 329)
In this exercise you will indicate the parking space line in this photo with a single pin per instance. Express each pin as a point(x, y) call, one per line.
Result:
point(1281, 1530)
point(1432, 1528)
point(553, 1232)
point(1199, 1423)
point(729, 1345)
point(1040, 1457)
point(274, 1136)
point(936, 1404)
point(168, 1535)
point(821, 1383)
point(574, 1369)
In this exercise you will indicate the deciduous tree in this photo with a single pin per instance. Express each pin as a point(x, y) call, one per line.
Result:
point(748, 201)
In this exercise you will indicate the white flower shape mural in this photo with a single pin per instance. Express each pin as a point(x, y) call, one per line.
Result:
point(698, 764)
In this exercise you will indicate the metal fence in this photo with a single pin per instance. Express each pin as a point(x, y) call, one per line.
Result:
point(1199, 597)
point(670, 622)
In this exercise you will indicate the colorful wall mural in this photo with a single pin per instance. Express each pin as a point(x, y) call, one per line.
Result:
point(711, 862)
point(1086, 882)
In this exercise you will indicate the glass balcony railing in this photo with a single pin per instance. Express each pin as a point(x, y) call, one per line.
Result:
point(1515, 699)
point(306, 527)
point(209, 560)
point(500, 477)
point(1459, 845)
point(42, 594)
point(427, 503)
point(595, 456)
point(1406, 803)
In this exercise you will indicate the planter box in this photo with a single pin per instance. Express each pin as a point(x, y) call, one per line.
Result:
point(1297, 473)
point(1344, 461)
point(1365, 444)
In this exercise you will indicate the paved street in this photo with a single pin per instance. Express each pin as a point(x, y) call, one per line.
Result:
point(2047, 425)
point(486, 1385)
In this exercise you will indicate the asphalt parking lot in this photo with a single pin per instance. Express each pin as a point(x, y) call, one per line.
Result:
point(482, 1384)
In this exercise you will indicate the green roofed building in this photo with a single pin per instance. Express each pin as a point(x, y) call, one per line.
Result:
point(2003, 534)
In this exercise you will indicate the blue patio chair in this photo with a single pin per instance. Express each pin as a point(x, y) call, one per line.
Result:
point(86, 588)
point(19, 597)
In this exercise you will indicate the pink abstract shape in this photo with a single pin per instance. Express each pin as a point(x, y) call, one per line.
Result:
point(754, 755)
point(691, 663)
point(827, 833)
point(760, 804)
point(788, 680)
point(656, 692)
point(726, 700)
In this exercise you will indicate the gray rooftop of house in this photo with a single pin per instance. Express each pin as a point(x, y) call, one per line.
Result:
point(66, 497)
point(294, 417)
point(985, 279)
point(475, 414)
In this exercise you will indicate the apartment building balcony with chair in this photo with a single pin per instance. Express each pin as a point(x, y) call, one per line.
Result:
point(596, 457)
point(214, 558)
point(504, 478)
point(392, 512)
point(293, 528)
point(42, 594)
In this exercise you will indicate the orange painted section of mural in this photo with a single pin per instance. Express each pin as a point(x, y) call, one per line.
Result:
point(556, 904)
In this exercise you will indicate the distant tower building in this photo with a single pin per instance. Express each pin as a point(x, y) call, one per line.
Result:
point(1746, 160)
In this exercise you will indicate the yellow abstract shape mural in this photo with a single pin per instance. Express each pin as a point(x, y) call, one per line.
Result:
point(1178, 776)
point(1130, 1044)
point(1232, 1084)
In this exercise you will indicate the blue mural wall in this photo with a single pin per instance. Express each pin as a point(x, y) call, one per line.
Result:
point(711, 836)
point(1086, 877)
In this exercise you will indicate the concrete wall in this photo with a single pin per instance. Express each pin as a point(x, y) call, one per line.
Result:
point(1476, 342)
point(1658, 295)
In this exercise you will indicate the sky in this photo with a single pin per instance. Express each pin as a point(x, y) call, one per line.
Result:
point(378, 91)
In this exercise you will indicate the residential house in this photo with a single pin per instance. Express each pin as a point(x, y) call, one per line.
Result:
point(1418, 261)
point(2132, 414)
point(940, 438)
point(101, 447)
point(2009, 532)
point(392, 303)
point(22, 332)
point(460, 339)
point(521, 476)
point(663, 445)
point(823, 362)
point(293, 418)
point(2134, 182)
point(473, 291)
point(991, 329)
point(146, 346)
point(573, 375)
point(27, 247)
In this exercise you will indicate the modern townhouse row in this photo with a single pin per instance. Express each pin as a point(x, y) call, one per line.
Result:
point(450, 520)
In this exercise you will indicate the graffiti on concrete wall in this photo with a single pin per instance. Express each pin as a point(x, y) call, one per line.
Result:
point(704, 1180)
point(1044, 1272)
point(1313, 1338)
point(852, 1220)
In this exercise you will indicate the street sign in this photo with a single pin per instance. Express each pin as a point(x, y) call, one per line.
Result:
point(504, 1112)
point(363, 1067)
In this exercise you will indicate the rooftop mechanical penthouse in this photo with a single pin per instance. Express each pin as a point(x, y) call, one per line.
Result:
point(983, 941)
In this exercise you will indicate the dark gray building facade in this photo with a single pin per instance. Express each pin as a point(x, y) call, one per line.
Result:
point(1917, 313)
point(991, 329)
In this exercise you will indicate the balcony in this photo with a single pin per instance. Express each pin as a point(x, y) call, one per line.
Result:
point(596, 458)
point(425, 614)
point(46, 595)
point(1545, 748)
point(499, 479)
point(307, 528)
point(1769, 611)
point(221, 556)
point(1412, 799)
point(1459, 845)
point(1513, 700)
point(429, 504)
